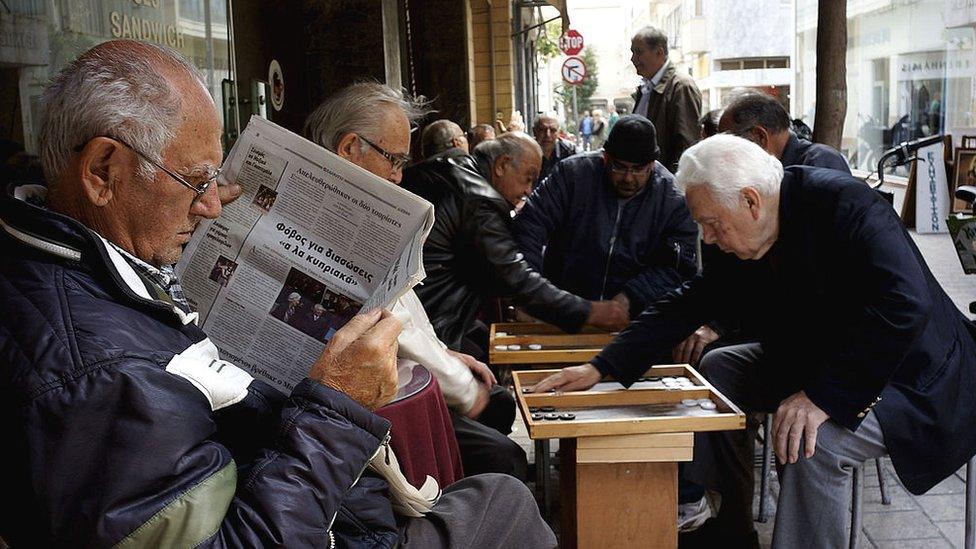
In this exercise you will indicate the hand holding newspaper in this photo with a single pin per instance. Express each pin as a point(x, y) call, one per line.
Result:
point(312, 241)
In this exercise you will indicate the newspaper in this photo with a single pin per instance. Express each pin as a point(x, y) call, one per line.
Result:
point(313, 240)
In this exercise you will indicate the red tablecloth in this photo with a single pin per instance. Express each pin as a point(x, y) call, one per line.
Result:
point(423, 438)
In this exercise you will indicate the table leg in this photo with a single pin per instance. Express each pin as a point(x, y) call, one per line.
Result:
point(617, 505)
point(543, 476)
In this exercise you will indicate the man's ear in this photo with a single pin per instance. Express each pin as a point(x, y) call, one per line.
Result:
point(762, 137)
point(753, 201)
point(100, 164)
point(348, 147)
point(501, 163)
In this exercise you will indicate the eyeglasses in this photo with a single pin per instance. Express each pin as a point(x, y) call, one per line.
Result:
point(620, 169)
point(199, 189)
point(397, 161)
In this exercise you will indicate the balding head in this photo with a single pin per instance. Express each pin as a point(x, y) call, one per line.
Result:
point(513, 160)
point(111, 121)
point(441, 135)
point(121, 88)
point(760, 118)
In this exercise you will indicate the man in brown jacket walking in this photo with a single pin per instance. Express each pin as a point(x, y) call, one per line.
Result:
point(670, 100)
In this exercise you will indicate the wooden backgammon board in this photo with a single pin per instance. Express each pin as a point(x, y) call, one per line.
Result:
point(522, 345)
point(620, 448)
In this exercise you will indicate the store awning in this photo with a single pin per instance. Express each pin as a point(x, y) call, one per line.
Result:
point(563, 12)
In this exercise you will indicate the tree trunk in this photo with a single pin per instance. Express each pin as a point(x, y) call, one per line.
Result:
point(828, 125)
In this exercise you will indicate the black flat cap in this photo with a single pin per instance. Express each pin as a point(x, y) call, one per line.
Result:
point(633, 139)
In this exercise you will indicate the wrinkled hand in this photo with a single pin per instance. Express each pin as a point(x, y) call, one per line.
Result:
point(797, 418)
point(479, 369)
point(570, 378)
point(360, 359)
point(624, 301)
point(608, 315)
point(690, 350)
point(229, 193)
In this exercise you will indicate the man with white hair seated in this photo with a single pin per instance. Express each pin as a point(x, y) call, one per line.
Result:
point(368, 124)
point(861, 353)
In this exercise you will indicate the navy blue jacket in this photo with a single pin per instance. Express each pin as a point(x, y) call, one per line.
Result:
point(847, 311)
point(797, 152)
point(118, 430)
point(800, 152)
point(596, 246)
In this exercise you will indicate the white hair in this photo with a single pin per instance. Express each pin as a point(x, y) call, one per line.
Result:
point(357, 108)
point(116, 89)
point(726, 164)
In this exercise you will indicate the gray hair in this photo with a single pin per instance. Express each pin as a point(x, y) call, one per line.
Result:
point(757, 109)
point(539, 120)
point(358, 108)
point(726, 164)
point(511, 144)
point(116, 89)
point(439, 136)
point(652, 38)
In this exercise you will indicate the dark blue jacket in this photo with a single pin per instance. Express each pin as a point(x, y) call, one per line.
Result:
point(847, 311)
point(596, 246)
point(118, 430)
point(800, 152)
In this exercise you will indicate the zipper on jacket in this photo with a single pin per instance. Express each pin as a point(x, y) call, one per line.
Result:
point(613, 241)
point(384, 445)
point(677, 256)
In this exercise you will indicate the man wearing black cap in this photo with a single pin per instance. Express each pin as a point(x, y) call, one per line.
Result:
point(611, 224)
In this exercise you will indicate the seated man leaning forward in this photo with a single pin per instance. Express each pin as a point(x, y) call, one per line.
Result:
point(611, 223)
point(368, 124)
point(860, 352)
point(471, 255)
point(120, 430)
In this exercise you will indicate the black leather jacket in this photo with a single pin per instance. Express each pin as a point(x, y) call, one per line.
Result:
point(470, 254)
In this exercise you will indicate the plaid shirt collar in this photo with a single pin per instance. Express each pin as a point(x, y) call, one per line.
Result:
point(164, 277)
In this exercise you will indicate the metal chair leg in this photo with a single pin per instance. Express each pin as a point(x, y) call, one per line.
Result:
point(767, 461)
point(970, 541)
point(882, 483)
point(857, 489)
point(543, 479)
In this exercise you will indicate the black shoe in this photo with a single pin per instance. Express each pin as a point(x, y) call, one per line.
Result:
point(709, 536)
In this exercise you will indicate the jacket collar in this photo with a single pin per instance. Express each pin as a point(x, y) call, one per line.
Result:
point(791, 152)
point(666, 76)
point(28, 223)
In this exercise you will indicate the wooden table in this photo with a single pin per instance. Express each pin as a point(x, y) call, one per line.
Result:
point(619, 456)
point(558, 347)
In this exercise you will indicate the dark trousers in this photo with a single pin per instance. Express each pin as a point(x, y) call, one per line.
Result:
point(485, 511)
point(724, 459)
point(484, 443)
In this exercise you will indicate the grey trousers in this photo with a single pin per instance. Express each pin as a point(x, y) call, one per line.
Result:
point(813, 509)
point(483, 511)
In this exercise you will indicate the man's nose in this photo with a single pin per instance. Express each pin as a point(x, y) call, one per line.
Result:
point(207, 205)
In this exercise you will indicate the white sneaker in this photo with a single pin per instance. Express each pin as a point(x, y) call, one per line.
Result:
point(694, 514)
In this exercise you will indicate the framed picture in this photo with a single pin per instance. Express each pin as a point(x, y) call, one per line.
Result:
point(964, 173)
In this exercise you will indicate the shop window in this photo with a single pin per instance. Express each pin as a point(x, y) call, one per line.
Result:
point(47, 34)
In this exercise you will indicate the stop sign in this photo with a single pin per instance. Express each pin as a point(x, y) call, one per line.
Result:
point(571, 42)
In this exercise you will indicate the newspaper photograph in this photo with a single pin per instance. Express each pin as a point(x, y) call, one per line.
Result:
point(312, 241)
